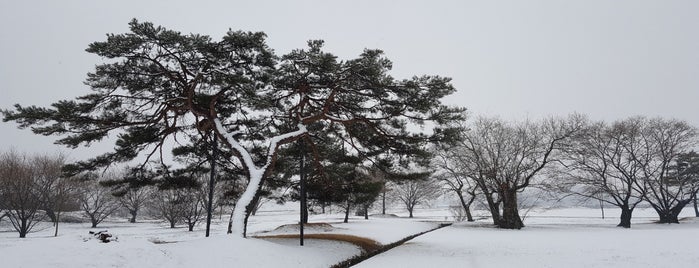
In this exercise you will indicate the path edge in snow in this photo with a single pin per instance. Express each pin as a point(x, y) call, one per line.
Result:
point(366, 255)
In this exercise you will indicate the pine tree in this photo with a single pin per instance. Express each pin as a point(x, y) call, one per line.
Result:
point(159, 84)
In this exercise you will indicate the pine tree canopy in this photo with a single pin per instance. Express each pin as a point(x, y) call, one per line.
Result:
point(157, 85)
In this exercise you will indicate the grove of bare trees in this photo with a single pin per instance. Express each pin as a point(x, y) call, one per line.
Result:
point(632, 161)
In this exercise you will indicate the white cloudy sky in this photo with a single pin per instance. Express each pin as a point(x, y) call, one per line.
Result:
point(517, 59)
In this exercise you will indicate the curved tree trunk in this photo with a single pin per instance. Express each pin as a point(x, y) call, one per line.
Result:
point(230, 224)
point(255, 174)
point(248, 210)
point(466, 205)
point(493, 206)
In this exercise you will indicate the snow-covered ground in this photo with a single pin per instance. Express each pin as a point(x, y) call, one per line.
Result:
point(575, 237)
point(153, 244)
point(554, 238)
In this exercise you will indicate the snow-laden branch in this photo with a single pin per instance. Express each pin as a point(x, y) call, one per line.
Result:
point(256, 173)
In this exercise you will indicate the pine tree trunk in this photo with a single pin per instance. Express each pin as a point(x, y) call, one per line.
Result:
point(383, 203)
point(230, 224)
point(245, 223)
point(625, 219)
point(347, 211)
point(248, 210)
point(510, 211)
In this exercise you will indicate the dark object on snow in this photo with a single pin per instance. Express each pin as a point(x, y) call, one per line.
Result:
point(103, 236)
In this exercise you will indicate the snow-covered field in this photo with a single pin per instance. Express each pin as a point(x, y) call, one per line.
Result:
point(573, 237)
point(554, 238)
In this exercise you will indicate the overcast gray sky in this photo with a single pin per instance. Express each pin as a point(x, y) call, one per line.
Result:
point(517, 59)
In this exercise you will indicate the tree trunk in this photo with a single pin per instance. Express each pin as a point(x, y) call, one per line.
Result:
point(230, 224)
point(466, 205)
point(55, 233)
point(672, 215)
point(366, 212)
point(51, 214)
point(245, 222)
point(347, 211)
point(696, 209)
point(510, 211)
point(383, 203)
point(23, 228)
point(601, 206)
point(492, 206)
point(94, 222)
point(191, 226)
point(625, 219)
point(133, 216)
point(248, 210)
point(172, 224)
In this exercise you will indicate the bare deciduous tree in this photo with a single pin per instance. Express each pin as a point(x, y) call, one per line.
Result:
point(134, 200)
point(455, 180)
point(57, 192)
point(601, 166)
point(97, 201)
point(193, 202)
point(168, 204)
point(504, 158)
point(414, 192)
point(668, 191)
point(19, 192)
